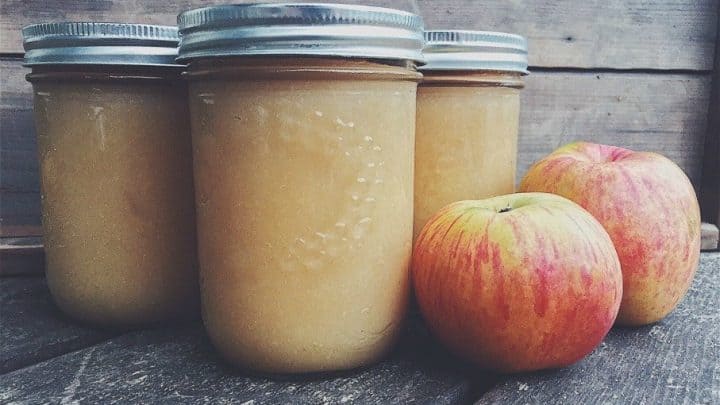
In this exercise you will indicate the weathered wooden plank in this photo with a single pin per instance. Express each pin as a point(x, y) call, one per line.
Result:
point(20, 208)
point(32, 329)
point(179, 365)
point(619, 34)
point(19, 180)
point(662, 34)
point(710, 196)
point(672, 362)
point(21, 230)
point(660, 113)
point(21, 256)
point(669, 362)
point(665, 113)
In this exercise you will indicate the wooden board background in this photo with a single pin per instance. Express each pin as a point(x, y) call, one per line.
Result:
point(634, 73)
point(627, 34)
point(710, 190)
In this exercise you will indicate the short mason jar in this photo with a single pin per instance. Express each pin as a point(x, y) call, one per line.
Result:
point(468, 112)
point(115, 171)
point(303, 126)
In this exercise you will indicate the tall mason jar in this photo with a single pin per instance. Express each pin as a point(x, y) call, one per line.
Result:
point(467, 118)
point(115, 171)
point(303, 127)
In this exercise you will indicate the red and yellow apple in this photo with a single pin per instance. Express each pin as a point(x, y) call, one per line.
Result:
point(517, 283)
point(647, 205)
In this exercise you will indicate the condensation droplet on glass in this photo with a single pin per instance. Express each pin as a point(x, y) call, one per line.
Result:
point(100, 119)
point(262, 114)
point(358, 232)
point(361, 179)
point(368, 139)
point(377, 148)
point(319, 113)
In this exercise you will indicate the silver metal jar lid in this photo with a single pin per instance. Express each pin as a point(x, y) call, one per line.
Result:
point(475, 50)
point(301, 29)
point(89, 43)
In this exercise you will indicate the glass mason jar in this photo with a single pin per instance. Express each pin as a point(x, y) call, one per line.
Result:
point(468, 111)
point(303, 124)
point(116, 171)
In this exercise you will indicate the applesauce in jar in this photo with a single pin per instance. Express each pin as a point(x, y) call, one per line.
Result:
point(303, 154)
point(468, 109)
point(116, 172)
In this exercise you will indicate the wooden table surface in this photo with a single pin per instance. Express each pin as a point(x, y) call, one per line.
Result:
point(45, 357)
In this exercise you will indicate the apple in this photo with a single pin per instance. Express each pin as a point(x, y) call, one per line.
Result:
point(649, 208)
point(518, 282)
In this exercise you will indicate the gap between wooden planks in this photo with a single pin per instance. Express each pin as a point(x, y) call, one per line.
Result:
point(25, 255)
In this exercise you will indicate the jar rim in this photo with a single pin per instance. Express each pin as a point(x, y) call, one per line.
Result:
point(300, 29)
point(100, 43)
point(475, 50)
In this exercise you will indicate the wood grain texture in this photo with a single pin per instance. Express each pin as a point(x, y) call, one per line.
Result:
point(22, 256)
point(20, 230)
point(625, 34)
point(180, 366)
point(672, 362)
point(663, 113)
point(21, 264)
point(660, 113)
point(710, 197)
point(32, 329)
point(619, 34)
point(19, 179)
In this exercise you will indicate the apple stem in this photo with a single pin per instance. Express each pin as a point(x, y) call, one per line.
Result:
point(506, 209)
